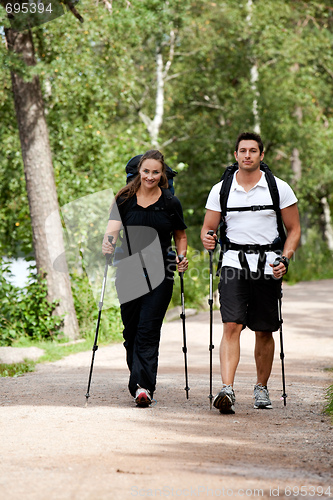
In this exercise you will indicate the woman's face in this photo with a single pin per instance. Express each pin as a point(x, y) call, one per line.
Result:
point(150, 173)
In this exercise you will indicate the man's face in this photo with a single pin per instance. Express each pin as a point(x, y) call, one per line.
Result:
point(248, 155)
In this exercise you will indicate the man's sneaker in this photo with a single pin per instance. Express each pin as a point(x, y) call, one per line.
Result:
point(261, 397)
point(225, 400)
point(142, 397)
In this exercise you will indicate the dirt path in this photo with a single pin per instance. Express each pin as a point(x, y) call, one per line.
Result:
point(52, 448)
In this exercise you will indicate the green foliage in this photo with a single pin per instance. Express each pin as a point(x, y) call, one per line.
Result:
point(99, 78)
point(26, 316)
point(289, 43)
point(26, 312)
point(196, 280)
point(16, 369)
point(313, 260)
point(87, 312)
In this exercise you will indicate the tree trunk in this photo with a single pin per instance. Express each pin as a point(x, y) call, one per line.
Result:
point(40, 181)
point(296, 163)
point(154, 126)
point(254, 77)
point(327, 222)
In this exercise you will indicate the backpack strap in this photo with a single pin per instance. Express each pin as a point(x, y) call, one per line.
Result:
point(227, 179)
point(168, 201)
point(273, 189)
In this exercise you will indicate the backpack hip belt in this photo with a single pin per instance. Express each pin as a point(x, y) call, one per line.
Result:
point(250, 249)
point(255, 248)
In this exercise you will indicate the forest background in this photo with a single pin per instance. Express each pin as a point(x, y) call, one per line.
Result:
point(185, 77)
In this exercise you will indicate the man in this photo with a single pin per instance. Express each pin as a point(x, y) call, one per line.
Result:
point(250, 285)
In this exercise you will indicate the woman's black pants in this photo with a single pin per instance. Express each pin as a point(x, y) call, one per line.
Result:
point(142, 319)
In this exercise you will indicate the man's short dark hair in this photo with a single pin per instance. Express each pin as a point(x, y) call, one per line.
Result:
point(249, 136)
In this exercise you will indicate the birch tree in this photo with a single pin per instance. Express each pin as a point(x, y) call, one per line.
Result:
point(254, 74)
point(162, 70)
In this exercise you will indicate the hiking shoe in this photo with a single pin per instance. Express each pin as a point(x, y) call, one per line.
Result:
point(142, 397)
point(225, 400)
point(261, 397)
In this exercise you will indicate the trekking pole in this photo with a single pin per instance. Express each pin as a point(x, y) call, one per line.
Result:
point(108, 259)
point(181, 275)
point(210, 302)
point(284, 395)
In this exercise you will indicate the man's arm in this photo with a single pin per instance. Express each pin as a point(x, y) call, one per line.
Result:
point(211, 222)
point(290, 217)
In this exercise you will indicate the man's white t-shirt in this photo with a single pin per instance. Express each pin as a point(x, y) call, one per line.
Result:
point(257, 227)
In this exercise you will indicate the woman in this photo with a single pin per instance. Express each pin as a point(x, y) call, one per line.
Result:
point(146, 203)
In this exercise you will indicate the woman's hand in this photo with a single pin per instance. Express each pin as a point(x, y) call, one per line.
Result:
point(182, 265)
point(107, 247)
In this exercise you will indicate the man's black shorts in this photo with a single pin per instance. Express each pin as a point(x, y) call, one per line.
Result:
point(245, 299)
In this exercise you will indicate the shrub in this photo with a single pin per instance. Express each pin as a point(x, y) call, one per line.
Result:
point(26, 312)
point(313, 260)
point(196, 280)
point(87, 312)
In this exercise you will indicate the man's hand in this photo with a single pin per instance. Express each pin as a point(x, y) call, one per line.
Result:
point(280, 267)
point(209, 241)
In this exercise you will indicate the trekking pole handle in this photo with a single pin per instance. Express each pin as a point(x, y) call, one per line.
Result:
point(211, 233)
point(180, 258)
point(284, 260)
point(109, 255)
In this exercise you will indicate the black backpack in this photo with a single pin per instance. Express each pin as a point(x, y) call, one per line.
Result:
point(132, 172)
point(227, 179)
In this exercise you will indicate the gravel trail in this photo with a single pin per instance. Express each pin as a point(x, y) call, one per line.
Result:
point(55, 448)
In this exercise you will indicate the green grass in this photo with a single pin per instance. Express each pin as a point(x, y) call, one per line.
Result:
point(54, 350)
point(328, 408)
point(329, 398)
point(16, 369)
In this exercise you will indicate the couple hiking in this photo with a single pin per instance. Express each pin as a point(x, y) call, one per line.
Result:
point(249, 216)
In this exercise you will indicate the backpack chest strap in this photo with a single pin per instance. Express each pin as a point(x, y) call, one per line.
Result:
point(253, 208)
